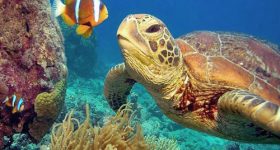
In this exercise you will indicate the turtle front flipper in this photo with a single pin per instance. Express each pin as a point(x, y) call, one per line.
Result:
point(242, 115)
point(117, 86)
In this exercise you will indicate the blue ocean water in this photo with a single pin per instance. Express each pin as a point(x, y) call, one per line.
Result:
point(254, 17)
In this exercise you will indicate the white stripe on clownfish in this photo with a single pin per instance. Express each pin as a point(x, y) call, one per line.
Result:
point(15, 103)
point(14, 100)
point(77, 10)
point(96, 9)
point(19, 104)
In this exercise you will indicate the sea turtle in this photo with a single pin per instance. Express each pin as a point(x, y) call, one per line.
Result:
point(223, 84)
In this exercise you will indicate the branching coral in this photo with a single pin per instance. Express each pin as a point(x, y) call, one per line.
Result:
point(161, 143)
point(117, 133)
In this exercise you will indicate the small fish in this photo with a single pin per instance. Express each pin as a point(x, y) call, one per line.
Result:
point(86, 13)
point(17, 104)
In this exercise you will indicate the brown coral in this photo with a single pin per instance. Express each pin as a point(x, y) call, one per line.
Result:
point(117, 133)
point(47, 106)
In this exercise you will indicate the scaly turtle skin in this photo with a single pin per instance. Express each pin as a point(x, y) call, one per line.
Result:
point(223, 84)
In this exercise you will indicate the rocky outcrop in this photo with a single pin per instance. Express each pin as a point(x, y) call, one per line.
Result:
point(32, 66)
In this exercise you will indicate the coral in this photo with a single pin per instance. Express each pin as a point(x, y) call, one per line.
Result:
point(47, 106)
point(150, 125)
point(50, 103)
point(22, 142)
point(161, 143)
point(4, 131)
point(32, 60)
point(117, 133)
point(81, 91)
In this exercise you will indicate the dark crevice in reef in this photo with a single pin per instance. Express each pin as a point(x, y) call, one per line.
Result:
point(27, 26)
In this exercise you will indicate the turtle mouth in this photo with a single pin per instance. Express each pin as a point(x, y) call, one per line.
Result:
point(128, 48)
point(125, 43)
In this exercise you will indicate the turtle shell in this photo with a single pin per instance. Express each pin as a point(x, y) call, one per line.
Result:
point(233, 60)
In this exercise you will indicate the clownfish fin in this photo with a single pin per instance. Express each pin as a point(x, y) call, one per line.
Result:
point(68, 20)
point(88, 33)
point(21, 108)
point(82, 29)
point(14, 110)
point(8, 103)
point(104, 13)
point(58, 8)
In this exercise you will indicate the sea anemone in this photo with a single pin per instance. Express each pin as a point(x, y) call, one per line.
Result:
point(117, 133)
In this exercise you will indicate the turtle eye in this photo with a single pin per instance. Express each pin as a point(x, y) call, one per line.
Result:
point(153, 28)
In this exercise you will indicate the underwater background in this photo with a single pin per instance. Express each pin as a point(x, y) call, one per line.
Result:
point(90, 59)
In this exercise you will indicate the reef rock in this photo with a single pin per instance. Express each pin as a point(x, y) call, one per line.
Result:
point(32, 66)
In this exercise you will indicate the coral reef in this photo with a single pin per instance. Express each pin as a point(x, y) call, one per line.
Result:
point(117, 133)
point(32, 64)
point(161, 143)
point(22, 142)
point(32, 61)
point(81, 91)
point(47, 106)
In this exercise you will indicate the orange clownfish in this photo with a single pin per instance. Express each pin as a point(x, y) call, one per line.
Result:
point(86, 13)
point(17, 104)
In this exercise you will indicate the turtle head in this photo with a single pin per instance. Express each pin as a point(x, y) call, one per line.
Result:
point(151, 54)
